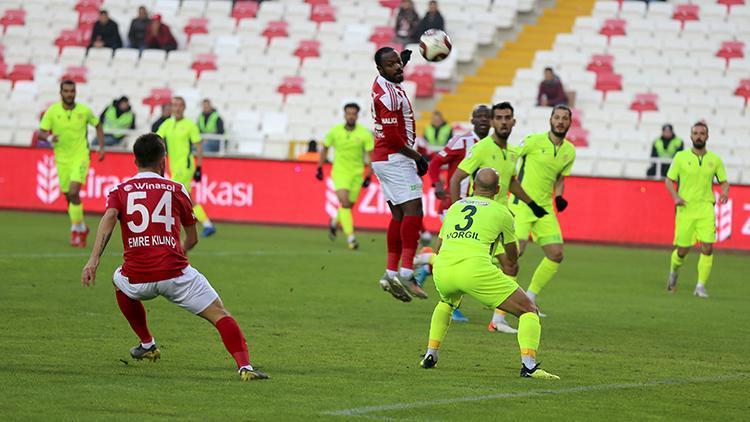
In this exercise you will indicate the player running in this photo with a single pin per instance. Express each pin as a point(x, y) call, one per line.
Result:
point(546, 158)
point(181, 135)
point(65, 126)
point(399, 168)
point(471, 232)
point(151, 210)
point(694, 171)
point(352, 144)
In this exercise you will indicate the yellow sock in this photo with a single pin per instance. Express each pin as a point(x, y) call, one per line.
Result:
point(75, 212)
point(676, 262)
point(441, 319)
point(705, 262)
point(529, 332)
point(543, 274)
point(200, 213)
point(346, 220)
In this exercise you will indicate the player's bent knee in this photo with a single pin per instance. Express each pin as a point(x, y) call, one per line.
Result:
point(707, 249)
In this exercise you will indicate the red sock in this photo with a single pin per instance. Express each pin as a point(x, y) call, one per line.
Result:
point(135, 314)
point(410, 238)
point(233, 340)
point(394, 244)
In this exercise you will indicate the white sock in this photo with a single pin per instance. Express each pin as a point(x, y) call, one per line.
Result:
point(406, 273)
point(351, 238)
point(498, 318)
point(531, 295)
point(528, 361)
point(248, 367)
point(78, 227)
point(433, 353)
point(149, 344)
point(391, 273)
point(207, 223)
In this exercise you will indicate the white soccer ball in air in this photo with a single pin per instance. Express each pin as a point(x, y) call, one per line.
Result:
point(434, 45)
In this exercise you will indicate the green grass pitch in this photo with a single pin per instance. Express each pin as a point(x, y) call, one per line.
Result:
point(338, 348)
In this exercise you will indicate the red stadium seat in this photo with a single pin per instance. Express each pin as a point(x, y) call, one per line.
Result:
point(644, 102)
point(601, 63)
point(743, 90)
point(686, 12)
point(202, 63)
point(576, 118)
point(3, 69)
point(307, 48)
point(578, 136)
point(382, 35)
point(391, 4)
point(323, 13)
point(86, 20)
point(316, 2)
point(731, 50)
point(76, 74)
point(68, 38)
point(244, 10)
point(276, 29)
point(13, 17)
point(613, 27)
point(606, 82)
point(157, 98)
point(424, 77)
point(21, 72)
point(88, 6)
point(730, 3)
point(291, 85)
point(196, 26)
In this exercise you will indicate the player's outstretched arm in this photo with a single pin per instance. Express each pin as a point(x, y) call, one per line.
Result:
point(191, 238)
point(103, 233)
point(455, 184)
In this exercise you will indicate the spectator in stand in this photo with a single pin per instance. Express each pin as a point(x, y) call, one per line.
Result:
point(105, 33)
point(664, 148)
point(551, 91)
point(209, 122)
point(406, 22)
point(312, 154)
point(438, 132)
point(166, 113)
point(159, 36)
point(138, 29)
point(116, 117)
point(433, 19)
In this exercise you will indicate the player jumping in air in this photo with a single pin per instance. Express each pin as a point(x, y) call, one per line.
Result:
point(472, 230)
point(546, 158)
point(399, 168)
point(151, 210)
point(694, 171)
point(352, 144)
point(181, 135)
point(65, 126)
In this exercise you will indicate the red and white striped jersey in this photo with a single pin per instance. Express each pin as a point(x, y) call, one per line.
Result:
point(393, 116)
point(452, 154)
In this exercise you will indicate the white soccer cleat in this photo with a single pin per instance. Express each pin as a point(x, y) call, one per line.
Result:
point(672, 282)
point(393, 286)
point(501, 327)
point(700, 291)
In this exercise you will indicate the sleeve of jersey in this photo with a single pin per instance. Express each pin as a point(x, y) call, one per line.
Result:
point(328, 141)
point(113, 200)
point(187, 217)
point(721, 173)
point(92, 119)
point(674, 169)
point(470, 164)
point(46, 123)
point(195, 134)
point(162, 130)
point(393, 134)
point(569, 165)
point(509, 229)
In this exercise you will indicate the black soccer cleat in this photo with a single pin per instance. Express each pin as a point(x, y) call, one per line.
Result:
point(247, 374)
point(428, 362)
point(537, 372)
point(139, 353)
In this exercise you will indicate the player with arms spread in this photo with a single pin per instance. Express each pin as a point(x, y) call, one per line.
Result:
point(473, 228)
point(399, 168)
point(151, 210)
point(694, 171)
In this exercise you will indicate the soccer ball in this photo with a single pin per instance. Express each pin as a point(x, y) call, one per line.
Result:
point(434, 45)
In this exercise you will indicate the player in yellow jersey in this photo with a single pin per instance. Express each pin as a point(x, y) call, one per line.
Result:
point(352, 144)
point(472, 230)
point(694, 171)
point(546, 158)
point(493, 151)
point(65, 126)
point(181, 135)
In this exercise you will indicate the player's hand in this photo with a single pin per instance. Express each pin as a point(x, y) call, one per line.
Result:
point(421, 165)
point(198, 175)
point(439, 190)
point(319, 173)
point(88, 276)
point(367, 181)
point(538, 211)
point(405, 57)
point(561, 203)
point(680, 202)
point(723, 198)
point(101, 154)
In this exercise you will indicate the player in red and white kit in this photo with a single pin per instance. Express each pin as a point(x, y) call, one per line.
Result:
point(151, 210)
point(399, 168)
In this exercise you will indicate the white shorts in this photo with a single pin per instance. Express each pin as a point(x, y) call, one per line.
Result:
point(191, 290)
point(398, 179)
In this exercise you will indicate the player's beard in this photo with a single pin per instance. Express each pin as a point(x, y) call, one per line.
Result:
point(560, 135)
point(699, 145)
point(69, 102)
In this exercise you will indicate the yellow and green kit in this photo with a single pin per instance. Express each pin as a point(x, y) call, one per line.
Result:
point(350, 147)
point(487, 153)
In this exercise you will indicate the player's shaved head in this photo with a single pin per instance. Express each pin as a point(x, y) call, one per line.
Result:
point(149, 151)
point(486, 182)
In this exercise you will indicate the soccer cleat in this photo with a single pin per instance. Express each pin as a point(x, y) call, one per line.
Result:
point(332, 227)
point(208, 231)
point(700, 291)
point(501, 328)
point(428, 361)
point(251, 374)
point(75, 239)
point(82, 237)
point(459, 316)
point(413, 288)
point(536, 372)
point(672, 282)
point(152, 353)
point(353, 245)
point(393, 286)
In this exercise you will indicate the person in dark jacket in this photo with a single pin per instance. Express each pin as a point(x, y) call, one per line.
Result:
point(166, 113)
point(665, 148)
point(138, 29)
point(433, 19)
point(551, 91)
point(117, 116)
point(406, 22)
point(105, 33)
point(159, 36)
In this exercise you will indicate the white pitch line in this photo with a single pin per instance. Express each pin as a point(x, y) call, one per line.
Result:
point(205, 253)
point(363, 411)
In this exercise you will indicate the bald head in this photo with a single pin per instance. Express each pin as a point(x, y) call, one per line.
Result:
point(486, 182)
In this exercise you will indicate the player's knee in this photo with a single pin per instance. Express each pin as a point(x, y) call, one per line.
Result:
point(556, 256)
point(74, 198)
point(346, 204)
point(529, 307)
point(707, 249)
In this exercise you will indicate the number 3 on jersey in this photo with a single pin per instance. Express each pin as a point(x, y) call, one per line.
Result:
point(468, 217)
point(162, 213)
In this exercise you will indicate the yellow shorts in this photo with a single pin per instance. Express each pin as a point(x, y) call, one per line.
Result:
point(182, 174)
point(72, 169)
point(544, 231)
point(476, 277)
point(694, 222)
point(349, 181)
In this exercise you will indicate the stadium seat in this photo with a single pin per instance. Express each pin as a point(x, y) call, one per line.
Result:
point(606, 82)
point(424, 77)
point(20, 72)
point(291, 85)
point(75, 73)
point(86, 20)
point(195, 26)
point(685, 13)
point(613, 27)
point(84, 6)
point(244, 10)
point(307, 48)
point(275, 29)
point(601, 63)
point(382, 35)
point(202, 63)
point(644, 102)
point(743, 90)
point(731, 50)
point(68, 38)
point(578, 136)
point(13, 17)
point(157, 97)
point(323, 13)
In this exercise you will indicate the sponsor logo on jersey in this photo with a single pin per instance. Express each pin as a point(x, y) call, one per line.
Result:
point(389, 120)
